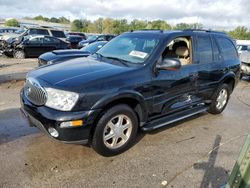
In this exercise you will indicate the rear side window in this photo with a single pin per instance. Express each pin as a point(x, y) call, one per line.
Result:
point(59, 34)
point(38, 32)
point(227, 48)
point(204, 48)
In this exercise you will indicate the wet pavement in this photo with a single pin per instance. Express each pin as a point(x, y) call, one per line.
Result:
point(197, 152)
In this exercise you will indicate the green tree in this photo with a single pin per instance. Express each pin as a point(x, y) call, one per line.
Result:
point(120, 26)
point(85, 24)
point(41, 18)
point(183, 26)
point(159, 24)
point(138, 24)
point(54, 20)
point(12, 23)
point(76, 25)
point(108, 26)
point(63, 20)
point(240, 33)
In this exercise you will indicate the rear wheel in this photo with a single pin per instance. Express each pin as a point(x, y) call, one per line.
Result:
point(116, 131)
point(220, 99)
point(19, 54)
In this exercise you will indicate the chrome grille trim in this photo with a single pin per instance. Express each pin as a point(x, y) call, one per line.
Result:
point(34, 92)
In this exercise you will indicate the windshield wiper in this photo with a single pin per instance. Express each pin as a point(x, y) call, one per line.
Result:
point(122, 61)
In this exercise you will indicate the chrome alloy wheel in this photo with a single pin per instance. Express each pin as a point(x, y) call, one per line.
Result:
point(117, 131)
point(222, 99)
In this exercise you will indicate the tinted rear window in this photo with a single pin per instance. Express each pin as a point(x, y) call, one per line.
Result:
point(59, 34)
point(227, 48)
point(204, 48)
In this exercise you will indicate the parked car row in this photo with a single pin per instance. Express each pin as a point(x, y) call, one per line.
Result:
point(94, 38)
point(58, 56)
point(33, 42)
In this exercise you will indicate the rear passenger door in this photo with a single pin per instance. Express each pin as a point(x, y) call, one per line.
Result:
point(208, 58)
point(34, 46)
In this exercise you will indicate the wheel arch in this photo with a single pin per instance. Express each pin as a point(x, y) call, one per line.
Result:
point(230, 80)
point(132, 99)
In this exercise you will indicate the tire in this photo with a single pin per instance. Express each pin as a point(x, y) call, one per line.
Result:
point(241, 76)
point(19, 54)
point(220, 99)
point(118, 137)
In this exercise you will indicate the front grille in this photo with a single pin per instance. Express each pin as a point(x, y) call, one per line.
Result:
point(34, 92)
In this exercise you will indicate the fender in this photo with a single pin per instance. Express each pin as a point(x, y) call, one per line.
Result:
point(228, 75)
point(127, 94)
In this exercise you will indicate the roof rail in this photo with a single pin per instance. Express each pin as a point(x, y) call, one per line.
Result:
point(160, 30)
point(205, 30)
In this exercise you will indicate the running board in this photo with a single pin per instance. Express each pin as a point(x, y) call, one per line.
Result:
point(155, 124)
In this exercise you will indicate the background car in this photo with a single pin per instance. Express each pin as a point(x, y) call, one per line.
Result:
point(84, 37)
point(245, 64)
point(58, 56)
point(243, 46)
point(94, 38)
point(74, 40)
point(33, 31)
point(34, 46)
point(8, 29)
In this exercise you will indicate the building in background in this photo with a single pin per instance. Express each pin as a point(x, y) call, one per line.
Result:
point(36, 23)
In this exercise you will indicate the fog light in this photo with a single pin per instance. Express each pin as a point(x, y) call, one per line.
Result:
point(53, 132)
point(75, 123)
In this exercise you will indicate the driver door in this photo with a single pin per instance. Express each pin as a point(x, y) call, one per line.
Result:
point(174, 90)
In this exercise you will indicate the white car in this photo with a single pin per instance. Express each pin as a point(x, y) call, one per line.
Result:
point(245, 63)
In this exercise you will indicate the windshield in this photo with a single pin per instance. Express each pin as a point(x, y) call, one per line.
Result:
point(131, 48)
point(19, 31)
point(92, 48)
point(93, 37)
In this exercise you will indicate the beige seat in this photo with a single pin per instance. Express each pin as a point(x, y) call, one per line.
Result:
point(183, 55)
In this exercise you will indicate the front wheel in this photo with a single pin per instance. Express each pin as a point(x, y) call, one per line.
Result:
point(19, 54)
point(220, 99)
point(116, 131)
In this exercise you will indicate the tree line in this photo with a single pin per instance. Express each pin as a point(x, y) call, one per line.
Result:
point(117, 26)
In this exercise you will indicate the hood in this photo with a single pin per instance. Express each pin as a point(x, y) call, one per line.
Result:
point(59, 54)
point(86, 41)
point(76, 72)
point(69, 52)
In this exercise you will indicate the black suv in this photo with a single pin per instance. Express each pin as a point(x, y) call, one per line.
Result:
point(139, 80)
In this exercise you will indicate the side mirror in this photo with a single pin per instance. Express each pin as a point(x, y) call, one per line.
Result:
point(169, 64)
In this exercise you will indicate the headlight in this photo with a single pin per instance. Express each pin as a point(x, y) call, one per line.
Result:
point(61, 100)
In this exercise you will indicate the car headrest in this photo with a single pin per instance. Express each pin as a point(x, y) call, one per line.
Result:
point(182, 51)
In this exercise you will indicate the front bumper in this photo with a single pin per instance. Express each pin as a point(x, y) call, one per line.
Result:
point(45, 118)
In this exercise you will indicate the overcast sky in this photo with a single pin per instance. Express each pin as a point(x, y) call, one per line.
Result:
point(221, 14)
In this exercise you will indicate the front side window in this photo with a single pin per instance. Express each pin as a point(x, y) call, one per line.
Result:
point(204, 48)
point(227, 48)
point(131, 48)
point(180, 48)
point(37, 40)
